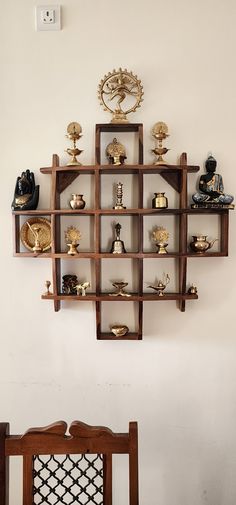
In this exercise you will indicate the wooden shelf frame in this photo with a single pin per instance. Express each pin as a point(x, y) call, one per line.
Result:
point(177, 178)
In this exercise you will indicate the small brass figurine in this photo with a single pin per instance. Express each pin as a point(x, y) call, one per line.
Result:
point(159, 201)
point(211, 189)
point(72, 237)
point(161, 285)
point(81, 288)
point(192, 290)
point(35, 229)
point(117, 244)
point(26, 195)
point(74, 133)
point(69, 283)
point(160, 132)
point(119, 330)
point(160, 235)
point(200, 244)
point(115, 153)
point(120, 86)
point(119, 289)
point(48, 292)
point(119, 196)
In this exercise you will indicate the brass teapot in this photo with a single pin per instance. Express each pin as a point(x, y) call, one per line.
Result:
point(200, 244)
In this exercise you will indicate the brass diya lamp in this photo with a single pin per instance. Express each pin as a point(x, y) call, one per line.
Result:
point(160, 133)
point(120, 285)
point(161, 285)
point(74, 133)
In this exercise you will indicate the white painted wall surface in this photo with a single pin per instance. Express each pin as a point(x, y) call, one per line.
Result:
point(179, 382)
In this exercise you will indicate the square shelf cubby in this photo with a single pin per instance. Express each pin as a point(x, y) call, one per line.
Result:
point(129, 233)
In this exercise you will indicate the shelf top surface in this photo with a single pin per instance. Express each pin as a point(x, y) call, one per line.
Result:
point(125, 168)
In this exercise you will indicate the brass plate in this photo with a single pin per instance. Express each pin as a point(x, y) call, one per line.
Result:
point(43, 227)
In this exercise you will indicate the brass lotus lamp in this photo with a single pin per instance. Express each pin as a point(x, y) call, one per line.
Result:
point(74, 133)
point(160, 133)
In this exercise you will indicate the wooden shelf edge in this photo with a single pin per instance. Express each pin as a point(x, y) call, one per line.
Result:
point(110, 336)
point(103, 168)
point(105, 297)
point(127, 211)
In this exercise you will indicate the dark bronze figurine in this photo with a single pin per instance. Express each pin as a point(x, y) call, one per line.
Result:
point(211, 188)
point(26, 194)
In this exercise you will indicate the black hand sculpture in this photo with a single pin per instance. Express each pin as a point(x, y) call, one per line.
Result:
point(26, 194)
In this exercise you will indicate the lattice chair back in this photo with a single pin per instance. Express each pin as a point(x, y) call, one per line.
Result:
point(68, 469)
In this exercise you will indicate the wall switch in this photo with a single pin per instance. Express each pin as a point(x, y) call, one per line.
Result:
point(48, 17)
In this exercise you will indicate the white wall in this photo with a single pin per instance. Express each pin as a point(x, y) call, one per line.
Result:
point(179, 382)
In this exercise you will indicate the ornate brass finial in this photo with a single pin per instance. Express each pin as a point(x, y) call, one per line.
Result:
point(160, 132)
point(115, 152)
point(74, 133)
point(72, 237)
point(120, 85)
point(160, 235)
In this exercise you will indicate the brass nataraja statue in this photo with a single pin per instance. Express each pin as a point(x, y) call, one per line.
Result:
point(120, 86)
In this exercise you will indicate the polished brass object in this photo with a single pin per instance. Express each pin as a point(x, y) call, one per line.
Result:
point(119, 289)
point(72, 237)
point(161, 285)
point(35, 234)
point(160, 133)
point(159, 201)
point(119, 330)
point(192, 290)
point(48, 284)
point(115, 153)
point(74, 133)
point(119, 196)
point(77, 201)
point(81, 288)
point(160, 235)
point(200, 244)
point(122, 86)
point(117, 244)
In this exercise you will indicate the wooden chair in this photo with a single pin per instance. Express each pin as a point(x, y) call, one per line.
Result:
point(60, 468)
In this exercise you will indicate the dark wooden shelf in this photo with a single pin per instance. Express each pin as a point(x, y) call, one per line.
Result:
point(177, 178)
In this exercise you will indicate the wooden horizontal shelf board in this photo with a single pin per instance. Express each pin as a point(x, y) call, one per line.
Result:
point(93, 255)
point(103, 168)
point(143, 211)
point(105, 297)
point(110, 336)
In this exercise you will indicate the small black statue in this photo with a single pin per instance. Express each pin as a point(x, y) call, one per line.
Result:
point(211, 188)
point(26, 194)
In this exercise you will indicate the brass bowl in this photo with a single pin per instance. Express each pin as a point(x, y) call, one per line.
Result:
point(119, 330)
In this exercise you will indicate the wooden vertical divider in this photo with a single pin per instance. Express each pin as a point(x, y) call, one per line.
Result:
point(224, 232)
point(4, 466)
point(97, 240)
point(133, 464)
point(55, 230)
point(16, 233)
point(183, 226)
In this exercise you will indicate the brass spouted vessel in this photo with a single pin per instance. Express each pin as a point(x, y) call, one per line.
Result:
point(200, 244)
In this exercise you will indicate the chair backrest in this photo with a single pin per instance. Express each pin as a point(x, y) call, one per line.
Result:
point(61, 468)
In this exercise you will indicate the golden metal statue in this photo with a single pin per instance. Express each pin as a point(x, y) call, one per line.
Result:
point(160, 235)
point(160, 132)
point(72, 237)
point(120, 85)
point(119, 330)
point(74, 133)
point(115, 152)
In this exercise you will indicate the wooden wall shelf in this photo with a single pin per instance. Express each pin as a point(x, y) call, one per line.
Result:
point(177, 178)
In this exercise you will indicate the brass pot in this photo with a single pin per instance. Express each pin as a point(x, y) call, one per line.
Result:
point(159, 201)
point(77, 201)
point(119, 330)
point(200, 244)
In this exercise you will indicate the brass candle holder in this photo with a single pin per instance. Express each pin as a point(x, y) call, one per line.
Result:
point(160, 133)
point(74, 133)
